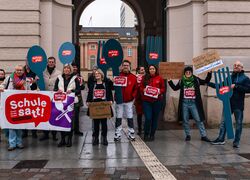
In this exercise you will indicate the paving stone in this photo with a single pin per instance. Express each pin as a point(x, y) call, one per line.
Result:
point(44, 170)
point(218, 172)
point(33, 170)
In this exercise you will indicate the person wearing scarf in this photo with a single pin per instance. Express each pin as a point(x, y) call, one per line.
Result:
point(67, 83)
point(16, 81)
point(190, 101)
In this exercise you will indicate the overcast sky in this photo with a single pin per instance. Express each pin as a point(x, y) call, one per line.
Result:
point(104, 13)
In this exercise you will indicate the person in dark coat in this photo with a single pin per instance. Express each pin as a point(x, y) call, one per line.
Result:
point(99, 91)
point(32, 79)
point(80, 101)
point(190, 101)
point(240, 86)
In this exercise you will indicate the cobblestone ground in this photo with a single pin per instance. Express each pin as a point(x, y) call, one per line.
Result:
point(231, 171)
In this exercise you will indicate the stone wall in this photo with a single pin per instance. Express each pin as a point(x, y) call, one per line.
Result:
point(225, 27)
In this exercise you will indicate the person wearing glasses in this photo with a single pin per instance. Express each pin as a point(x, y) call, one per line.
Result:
point(240, 86)
point(190, 101)
point(16, 81)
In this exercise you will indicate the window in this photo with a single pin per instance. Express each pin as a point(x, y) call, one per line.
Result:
point(92, 47)
point(129, 51)
point(92, 59)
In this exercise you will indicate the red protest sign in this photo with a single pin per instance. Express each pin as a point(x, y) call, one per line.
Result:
point(224, 90)
point(60, 96)
point(153, 55)
point(120, 81)
point(152, 92)
point(99, 93)
point(36, 59)
point(66, 52)
point(113, 53)
point(102, 61)
point(27, 108)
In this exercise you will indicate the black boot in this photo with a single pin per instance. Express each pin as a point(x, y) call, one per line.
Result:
point(62, 143)
point(69, 142)
point(95, 141)
point(104, 140)
point(54, 136)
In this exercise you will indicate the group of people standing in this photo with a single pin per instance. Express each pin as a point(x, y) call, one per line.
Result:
point(68, 81)
point(134, 93)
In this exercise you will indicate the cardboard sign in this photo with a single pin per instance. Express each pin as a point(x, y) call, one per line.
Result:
point(207, 62)
point(120, 81)
point(171, 70)
point(100, 110)
point(67, 53)
point(152, 92)
point(35, 110)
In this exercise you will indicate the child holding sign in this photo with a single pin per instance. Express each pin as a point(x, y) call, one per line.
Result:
point(152, 89)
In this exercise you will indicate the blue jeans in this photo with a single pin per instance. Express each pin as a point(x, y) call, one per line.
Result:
point(15, 137)
point(238, 115)
point(151, 111)
point(189, 106)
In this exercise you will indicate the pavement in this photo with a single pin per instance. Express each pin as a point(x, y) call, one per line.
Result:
point(185, 160)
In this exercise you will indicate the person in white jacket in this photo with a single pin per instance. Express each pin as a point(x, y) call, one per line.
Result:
point(50, 75)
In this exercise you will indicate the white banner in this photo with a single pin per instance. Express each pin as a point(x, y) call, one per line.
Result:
point(44, 110)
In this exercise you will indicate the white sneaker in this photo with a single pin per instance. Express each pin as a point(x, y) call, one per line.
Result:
point(118, 134)
point(131, 134)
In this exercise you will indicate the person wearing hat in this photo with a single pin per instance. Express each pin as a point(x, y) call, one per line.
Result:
point(190, 101)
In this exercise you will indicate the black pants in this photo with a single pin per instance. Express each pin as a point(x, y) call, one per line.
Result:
point(97, 123)
point(76, 118)
point(46, 133)
point(66, 134)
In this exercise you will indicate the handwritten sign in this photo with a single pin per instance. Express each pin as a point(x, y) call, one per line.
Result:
point(171, 70)
point(152, 92)
point(100, 110)
point(207, 62)
point(120, 81)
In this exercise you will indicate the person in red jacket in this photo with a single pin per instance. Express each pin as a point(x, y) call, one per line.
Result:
point(129, 93)
point(152, 89)
point(138, 102)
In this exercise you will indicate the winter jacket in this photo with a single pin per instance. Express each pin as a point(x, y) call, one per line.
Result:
point(50, 79)
point(130, 91)
point(154, 81)
point(198, 99)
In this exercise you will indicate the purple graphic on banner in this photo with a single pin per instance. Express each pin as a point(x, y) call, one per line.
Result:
point(62, 113)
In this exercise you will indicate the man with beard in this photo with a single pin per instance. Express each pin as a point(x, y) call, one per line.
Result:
point(126, 108)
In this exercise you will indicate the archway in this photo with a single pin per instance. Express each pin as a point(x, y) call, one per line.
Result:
point(149, 16)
